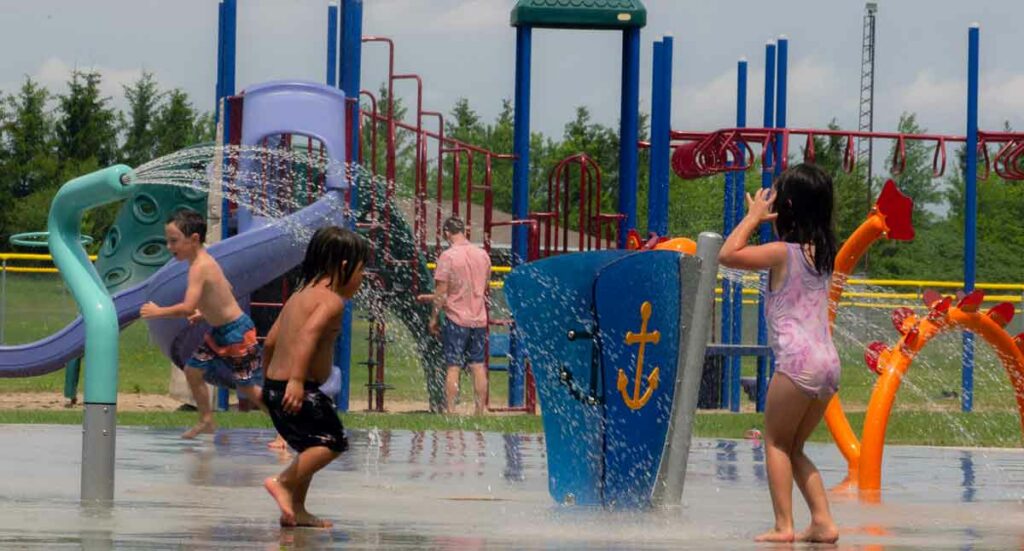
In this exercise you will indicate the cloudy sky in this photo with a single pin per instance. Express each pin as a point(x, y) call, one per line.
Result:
point(465, 48)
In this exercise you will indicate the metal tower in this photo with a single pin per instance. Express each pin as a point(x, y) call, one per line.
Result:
point(867, 91)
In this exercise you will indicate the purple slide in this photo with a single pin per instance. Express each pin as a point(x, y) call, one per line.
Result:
point(249, 260)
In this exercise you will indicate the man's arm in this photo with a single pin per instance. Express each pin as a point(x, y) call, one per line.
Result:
point(185, 308)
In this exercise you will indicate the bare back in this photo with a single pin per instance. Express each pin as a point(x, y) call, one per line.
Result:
point(310, 318)
point(216, 299)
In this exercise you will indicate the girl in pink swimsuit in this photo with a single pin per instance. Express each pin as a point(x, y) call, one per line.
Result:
point(807, 366)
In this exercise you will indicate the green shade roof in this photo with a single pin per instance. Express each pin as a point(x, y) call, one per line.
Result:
point(579, 14)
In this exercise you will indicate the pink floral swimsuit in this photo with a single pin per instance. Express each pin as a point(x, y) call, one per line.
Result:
point(798, 334)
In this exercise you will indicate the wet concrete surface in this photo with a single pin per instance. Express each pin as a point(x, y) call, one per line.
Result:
point(467, 490)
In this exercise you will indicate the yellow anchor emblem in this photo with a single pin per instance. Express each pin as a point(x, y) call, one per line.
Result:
point(643, 338)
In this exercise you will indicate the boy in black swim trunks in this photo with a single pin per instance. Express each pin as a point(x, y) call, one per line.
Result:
point(297, 357)
point(229, 355)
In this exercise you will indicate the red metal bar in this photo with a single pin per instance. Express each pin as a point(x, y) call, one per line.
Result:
point(713, 152)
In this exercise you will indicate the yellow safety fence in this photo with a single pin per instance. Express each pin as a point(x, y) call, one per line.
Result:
point(892, 299)
point(6, 258)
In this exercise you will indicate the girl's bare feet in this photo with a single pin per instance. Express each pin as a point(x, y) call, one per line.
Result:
point(278, 444)
point(203, 427)
point(283, 497)
point(820, 533)
point(776, 536)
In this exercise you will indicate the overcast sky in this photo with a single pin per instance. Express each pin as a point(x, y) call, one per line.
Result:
point(466, 48)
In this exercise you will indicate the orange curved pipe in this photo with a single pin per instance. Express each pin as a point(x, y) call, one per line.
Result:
point(889, 218)
point(895, 362)
point(846, 260)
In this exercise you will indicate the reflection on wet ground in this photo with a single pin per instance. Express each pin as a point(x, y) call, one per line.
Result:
point(468, 490)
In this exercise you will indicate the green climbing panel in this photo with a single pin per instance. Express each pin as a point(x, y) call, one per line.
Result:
point(398, 294)
point(134, 247)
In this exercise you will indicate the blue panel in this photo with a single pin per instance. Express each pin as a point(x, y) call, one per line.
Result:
point(643, 285)
point(548, 298)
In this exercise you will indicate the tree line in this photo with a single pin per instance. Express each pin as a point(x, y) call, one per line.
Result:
point(48, 138)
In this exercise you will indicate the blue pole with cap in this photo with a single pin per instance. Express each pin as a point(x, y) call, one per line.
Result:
point(765, 233)
point(970, 208)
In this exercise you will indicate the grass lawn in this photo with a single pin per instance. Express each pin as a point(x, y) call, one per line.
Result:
point(38, 305)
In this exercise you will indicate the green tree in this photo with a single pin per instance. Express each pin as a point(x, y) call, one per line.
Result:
point(143, 98)
point(86, 126)
point(178, 124)
point(915, 180)
point(28, 132)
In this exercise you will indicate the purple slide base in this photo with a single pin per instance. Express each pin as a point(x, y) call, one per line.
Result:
point(249, 260)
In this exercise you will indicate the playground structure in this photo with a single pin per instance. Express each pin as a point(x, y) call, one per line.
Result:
point(400, 265)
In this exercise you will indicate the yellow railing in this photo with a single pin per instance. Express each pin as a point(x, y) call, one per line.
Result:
point(912, 298)
point(6, 257)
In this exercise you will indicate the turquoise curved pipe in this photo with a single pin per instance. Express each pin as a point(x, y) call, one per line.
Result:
point(65, 234)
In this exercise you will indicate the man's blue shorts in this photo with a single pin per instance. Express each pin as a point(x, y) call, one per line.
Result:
point(462, 345)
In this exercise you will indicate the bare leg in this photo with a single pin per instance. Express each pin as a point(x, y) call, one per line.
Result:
point(254, 394)
point(479, 373)
point(451, 387)
point(822, 528)
point(201, 394)
point(784, 408)
point(289, 488)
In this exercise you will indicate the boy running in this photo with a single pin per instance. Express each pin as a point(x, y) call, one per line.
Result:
point(229, 355)
point(297, 357)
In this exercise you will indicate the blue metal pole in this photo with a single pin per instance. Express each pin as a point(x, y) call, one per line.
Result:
point(738, 183)
point(226, 45)
point(628, 121)
point(349, 71)
point(230, 38)
point(666, 124)
point(659, 145)
point(970, 208)
point(727, 338)
point(520, 195)
point(332, 45)
point(765, 234)
point(218, 89)
point(780, 97)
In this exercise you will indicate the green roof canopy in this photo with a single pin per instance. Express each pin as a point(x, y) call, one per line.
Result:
point(579, 14)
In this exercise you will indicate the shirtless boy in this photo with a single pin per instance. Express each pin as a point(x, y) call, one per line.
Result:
point(229, 355)
point(297, 358)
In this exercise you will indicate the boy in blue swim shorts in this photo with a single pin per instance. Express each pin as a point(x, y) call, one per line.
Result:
point(229, 355)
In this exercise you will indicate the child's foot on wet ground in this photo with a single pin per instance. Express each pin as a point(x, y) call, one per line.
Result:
point(776, 536)
point(305, 519)
point(820, 533)
point(283, 497)
point(278, 444)
point(204, 427)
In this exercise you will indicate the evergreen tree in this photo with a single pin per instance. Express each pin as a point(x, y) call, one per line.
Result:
point(86, 126)
point(177, 124)
point(28, 135)
point(143, 98)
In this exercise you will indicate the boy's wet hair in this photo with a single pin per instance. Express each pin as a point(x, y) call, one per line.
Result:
point(454, 225)
point(333, 252)
point(804, 203)
point(189, 222)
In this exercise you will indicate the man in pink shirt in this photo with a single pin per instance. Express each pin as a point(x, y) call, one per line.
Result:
point(460, 288)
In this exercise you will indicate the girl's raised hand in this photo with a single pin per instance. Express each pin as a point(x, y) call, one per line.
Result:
point(759, 206)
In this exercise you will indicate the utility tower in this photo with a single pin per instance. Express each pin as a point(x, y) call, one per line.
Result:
point(867, 91)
